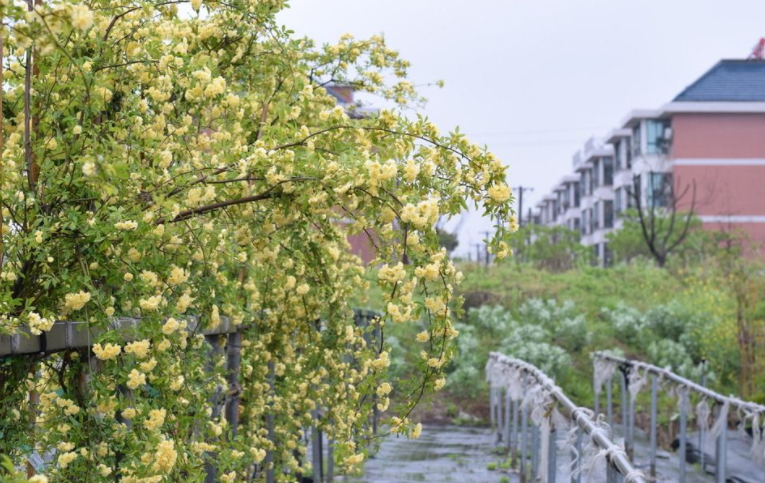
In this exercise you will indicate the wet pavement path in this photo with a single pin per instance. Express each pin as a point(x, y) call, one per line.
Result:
point(464, 454)
point(441, 454)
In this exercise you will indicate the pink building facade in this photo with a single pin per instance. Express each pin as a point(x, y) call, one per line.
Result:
point(710, 138)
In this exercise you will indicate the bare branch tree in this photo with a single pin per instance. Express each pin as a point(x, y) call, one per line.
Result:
point(664, 228)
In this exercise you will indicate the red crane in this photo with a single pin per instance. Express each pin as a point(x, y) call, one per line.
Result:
point(758, 53)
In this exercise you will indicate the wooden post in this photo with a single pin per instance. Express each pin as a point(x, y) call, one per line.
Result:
point(233, 363)
point(270, 424)
point(213, 354)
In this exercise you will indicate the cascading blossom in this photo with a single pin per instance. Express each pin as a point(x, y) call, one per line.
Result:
point(188, 169)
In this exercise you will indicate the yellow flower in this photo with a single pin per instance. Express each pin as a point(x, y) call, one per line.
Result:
point(303, 289)
point(76, 301)
point(106, 352)
point(81, 16)
point(128, 225)
point(165, 457)
point(152, 303)
point(170, 326)
point(138, 348)
point(384, 389)
point(128, 413)
point(499, 193)
point(177, 276)
point(66, 458)
point(439, 384)
point(88, 168)
point(156, 419)
point(136, 379)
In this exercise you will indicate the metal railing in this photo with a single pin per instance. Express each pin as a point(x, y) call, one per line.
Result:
point(525, 385)
point(630, 371)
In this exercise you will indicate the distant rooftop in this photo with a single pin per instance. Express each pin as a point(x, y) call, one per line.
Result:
point(728, 81)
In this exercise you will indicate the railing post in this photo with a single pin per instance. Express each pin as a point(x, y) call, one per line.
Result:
point(551, 455)
point(610, 472)
point(500, 419)
point(514, 436)
point(631, 430)
point(596, 391)
point(576, 469)
point(508, 421)
point(683, 423)
point(721, 450)
point(654, 423)
point(534, 451)
point(233, 363)
point(492, 397)
point(625, 399)
point(610, 403)
point(524, 435)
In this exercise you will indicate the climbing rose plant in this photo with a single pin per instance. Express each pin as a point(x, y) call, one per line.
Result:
point(162, 160)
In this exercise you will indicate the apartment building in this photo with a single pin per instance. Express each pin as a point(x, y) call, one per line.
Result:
point(709, 139)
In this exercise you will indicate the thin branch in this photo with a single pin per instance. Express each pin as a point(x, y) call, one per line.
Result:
point(185, 215)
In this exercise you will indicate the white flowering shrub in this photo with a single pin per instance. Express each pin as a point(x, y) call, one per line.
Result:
point(161, 160)
point(628, 323)
point(561, 320)
point(494, 319)
point(672, 354)
point(532, 344)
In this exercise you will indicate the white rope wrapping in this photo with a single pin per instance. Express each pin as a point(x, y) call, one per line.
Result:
point(722, 420)
point(702, 415)
point(636, 382)
point(683, 399)
point(603, 370)
point(758, 442)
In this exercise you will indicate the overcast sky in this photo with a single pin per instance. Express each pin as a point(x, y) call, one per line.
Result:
point(534, 79)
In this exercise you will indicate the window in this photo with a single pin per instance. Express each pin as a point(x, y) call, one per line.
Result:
point(618, 193)
point(618, 155)
point(659, 187)
point(608, 214)
point(576, 194)
point(575, 222)
point(595, 216)
point(656, 142)
point(596, 253)
point(637, 141)
point(554, 205)
point(628, 153)
point(628, 193)
point(608, 171)
point(595, 173)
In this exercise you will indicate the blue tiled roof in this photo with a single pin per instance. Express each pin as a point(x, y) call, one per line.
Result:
point(728, 81)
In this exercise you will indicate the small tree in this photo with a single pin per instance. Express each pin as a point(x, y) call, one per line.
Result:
point(663, 226)
point(553, 248)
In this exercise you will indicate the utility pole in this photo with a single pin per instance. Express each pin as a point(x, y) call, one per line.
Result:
point(520, 190)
